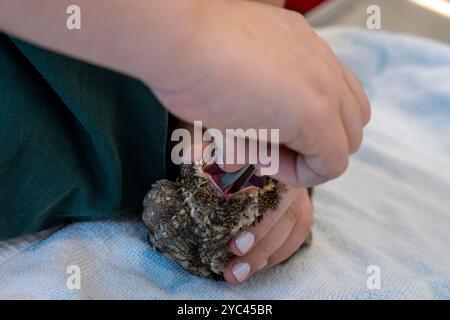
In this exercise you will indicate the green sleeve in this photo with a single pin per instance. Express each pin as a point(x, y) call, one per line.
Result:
point(77, 142)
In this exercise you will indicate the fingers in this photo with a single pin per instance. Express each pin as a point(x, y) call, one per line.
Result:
point(356, 88)
point(330, 154)
point(325, 157)
point(243, 267)
point(246, 240)
point(296, 238)
point(283, 238)
point(352, 101)
point(352, 121)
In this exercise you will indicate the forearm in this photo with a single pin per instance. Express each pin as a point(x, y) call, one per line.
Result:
point(136, 37)
point(279, 3)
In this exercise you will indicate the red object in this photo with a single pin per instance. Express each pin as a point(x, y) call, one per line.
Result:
point(302, 6)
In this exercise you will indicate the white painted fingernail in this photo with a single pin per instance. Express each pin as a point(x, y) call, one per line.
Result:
point(241, 271)
point(244, 241)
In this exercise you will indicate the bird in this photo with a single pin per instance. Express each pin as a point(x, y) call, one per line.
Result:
point(192, 219)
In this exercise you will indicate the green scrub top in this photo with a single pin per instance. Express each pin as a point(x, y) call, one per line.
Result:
point(77, 142)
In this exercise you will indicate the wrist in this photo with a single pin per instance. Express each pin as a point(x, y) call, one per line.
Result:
point(174, 49)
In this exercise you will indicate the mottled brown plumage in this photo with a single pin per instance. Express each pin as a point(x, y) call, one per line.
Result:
point(192, 220)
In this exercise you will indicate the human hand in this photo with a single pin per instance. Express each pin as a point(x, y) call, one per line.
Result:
point(252, 65)
point(278, 236)
point(231, 64)
point(274, 239)
point(279, 3)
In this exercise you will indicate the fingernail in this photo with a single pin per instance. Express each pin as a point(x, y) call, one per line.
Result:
point(244, 241)
point(241, 271)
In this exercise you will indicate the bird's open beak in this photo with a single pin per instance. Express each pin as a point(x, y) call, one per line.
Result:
point(230, 183)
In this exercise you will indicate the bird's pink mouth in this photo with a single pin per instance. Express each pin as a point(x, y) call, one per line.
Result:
point(215, 175)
